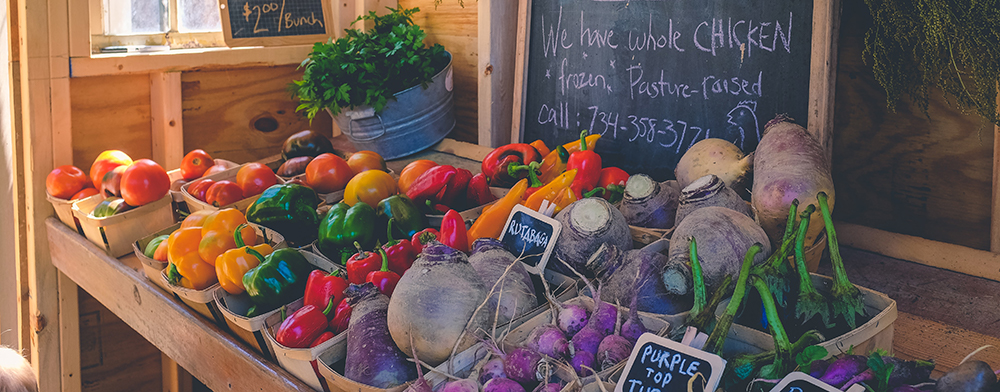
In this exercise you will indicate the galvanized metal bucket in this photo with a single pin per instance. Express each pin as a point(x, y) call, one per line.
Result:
point(416, 120)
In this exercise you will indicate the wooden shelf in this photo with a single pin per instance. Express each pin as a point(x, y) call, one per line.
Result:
point(204, 350)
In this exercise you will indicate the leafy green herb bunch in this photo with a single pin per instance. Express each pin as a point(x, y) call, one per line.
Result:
point(366, 68)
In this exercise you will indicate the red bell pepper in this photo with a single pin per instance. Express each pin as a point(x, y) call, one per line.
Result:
point(384, 278)
point(456, 187)
point(612, 181)
point(453, 231)
point(399, 252)
point(342, 317)
point(303, 327)
point(497, 162)
point(588, 167)
point(326, 335)
point(422, 237)
point(359, 265)
point(430, 183)
point(321, 288)
point(478, 191)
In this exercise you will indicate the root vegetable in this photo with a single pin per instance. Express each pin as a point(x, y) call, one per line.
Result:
point(971, 376)
point(502, 385)
point(548, 339)
point(572, 318)
point(633, 328)
point(718, 157)
point(548, 387)
point(788, 164)
point(612, 350)
point(463, 385)
point(617, 271)
point(515, 295)
point(723, 236)
point(372, 357)
point(435, 300)
point(843, 369)
point(492, 369)
point(710, 191)
point(583, 363)
point(648, 203)
point(588, 339)
point(525, 366)
point(586, 225)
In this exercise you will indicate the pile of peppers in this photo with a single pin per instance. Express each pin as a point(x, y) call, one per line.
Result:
point(445, 187)
point(194, 250)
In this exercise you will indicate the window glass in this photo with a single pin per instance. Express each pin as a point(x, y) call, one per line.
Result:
point(198, 16)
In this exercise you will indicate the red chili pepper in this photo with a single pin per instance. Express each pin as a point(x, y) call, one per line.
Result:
point(495, 164)
point(321, 288)
point(422, 237)
point(327, 335)
point(430, 183)
point(303, 327)
point(399, 252)
point(342, 317)
point(478, 192)
point(453, 231)
point(612, 181)
point(384, 278)
point(588, 167)
point(359, 265)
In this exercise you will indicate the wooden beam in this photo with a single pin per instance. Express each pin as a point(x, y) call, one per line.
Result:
point(520, 68)
point(919, 338)
point(79, 28)
point(943, 255)
point(165, 109)
point(823, 78)
point(8, 215)
point(995, 216)
point(188, 60)
point(497, 39)
point(69, 334)
point(462, 149)
point(210, 354)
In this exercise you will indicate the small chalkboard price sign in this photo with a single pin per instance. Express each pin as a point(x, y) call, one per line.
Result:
point(276, 22)
point(531, 234)
point(661, 364)
point(801, 382)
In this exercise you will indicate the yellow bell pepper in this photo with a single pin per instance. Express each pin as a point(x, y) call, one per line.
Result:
point(490, 222)
point(196, 219)
point(186, 268)
point(217, 233)
point(554, 162)
point(232, 265)
point(550, 190)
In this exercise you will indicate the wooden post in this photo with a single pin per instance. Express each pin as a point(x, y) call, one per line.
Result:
point(167, 118)
point(822, 80)
point(995, 216)
point(497, 37)
point(175, 378)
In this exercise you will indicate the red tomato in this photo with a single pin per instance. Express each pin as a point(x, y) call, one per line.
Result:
point(65, 181)
point(223, 193)
point(215, 169)
point(198, 188)
point(328, 173)
point(254, 178)
point(85, 193)
point(366, 160)
point(111, 185)
point(105, 162)
point(195, 164)
point(412, 171)
point(144, 182)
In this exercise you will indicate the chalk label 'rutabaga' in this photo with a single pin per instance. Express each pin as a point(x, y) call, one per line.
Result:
point(530, 235)
point(658, 364)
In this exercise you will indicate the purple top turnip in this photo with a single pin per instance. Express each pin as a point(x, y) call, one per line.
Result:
point(586, 225)
point(617, 271)
point(502, 385)
point(515, 295)
point(648, 203)
point(492, 369)
point(463, 385)
point(844, 369)
point(372, 357)
point(709, 191)
point(548, 339)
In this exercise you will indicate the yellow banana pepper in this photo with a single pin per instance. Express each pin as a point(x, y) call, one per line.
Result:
point(490, 222)
point(550, 190)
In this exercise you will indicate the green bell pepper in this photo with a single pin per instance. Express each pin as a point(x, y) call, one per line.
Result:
point(289, 209)
point(279, 279)
point(407, 218)
point(342, 227)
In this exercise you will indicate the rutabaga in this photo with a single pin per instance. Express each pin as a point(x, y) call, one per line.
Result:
point(586, 225)
point(514, 295)
point(648, 203)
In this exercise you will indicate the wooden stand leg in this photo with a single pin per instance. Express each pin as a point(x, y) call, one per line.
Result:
point(69, 334)
point(175, 378)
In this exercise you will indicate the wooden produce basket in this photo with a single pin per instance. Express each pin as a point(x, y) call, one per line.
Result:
point(151, 267)
point(251, 329)
point(470, 215)
point(300, 362)
point(331, 372)
point(64, 210)
point(874, 334)
point(195, 205)
point(175, 175)
point(116, 233)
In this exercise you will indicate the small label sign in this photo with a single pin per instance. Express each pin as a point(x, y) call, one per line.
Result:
point(658, 364)
point(801, 382)
point(531, 235)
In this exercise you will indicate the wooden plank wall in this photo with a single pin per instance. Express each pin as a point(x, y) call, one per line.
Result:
point(903, 172)
point(113, 357)
point(110, 112)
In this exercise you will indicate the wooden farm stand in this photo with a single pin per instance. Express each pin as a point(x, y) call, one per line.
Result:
point(93, 323)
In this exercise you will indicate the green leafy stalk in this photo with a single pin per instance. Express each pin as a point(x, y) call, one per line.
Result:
point(775, 270)
point(811, 303)
point(804, 351)
point(718, 336)
point(782, 346)
point(847, 300)
point(703, 319)
point(698, 278)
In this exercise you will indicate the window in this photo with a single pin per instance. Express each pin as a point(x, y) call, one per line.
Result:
point(156, 23)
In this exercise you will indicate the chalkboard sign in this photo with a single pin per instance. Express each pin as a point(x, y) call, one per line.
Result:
point(801, 382)
point(276, 22)
point(531, 235)
point(661, 364)
point(654, 76)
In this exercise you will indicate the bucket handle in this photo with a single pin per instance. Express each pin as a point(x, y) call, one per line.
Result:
point(350, 128)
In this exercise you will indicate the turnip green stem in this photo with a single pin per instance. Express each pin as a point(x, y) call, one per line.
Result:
point(718, 336)
point(846, 297)
point(811, 302)
point(775, 269)
point(699, 279)
point(782, 346)
point(702, 320)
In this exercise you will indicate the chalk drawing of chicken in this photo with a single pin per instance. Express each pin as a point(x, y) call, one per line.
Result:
point(743, 120)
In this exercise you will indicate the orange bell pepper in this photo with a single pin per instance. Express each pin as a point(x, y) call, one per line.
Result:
point(217, 233)
point(539, 145)
point(554, 162)
point(550, 190)
point(186, 268)
point(232, 265)
point(491, 221)
point(196, 219)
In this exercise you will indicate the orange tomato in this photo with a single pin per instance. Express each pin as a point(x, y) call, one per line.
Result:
point(412, 171)
point(195, 164)
point(85, 193)
point(328, 173)
point(198, 188)
point(369, 187)
point(223, 193)
point(254, 178)
point(366, 160)
point(144, 182)
point(105, 162)
point(65, 181)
